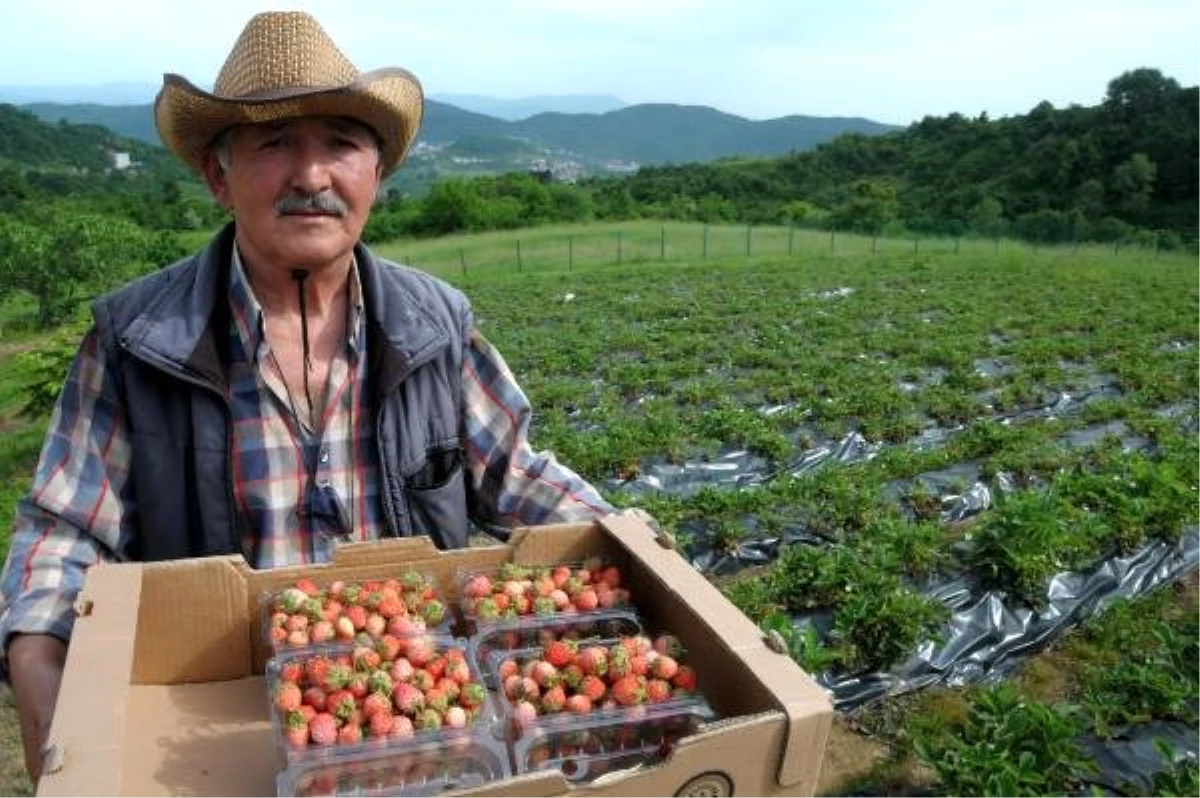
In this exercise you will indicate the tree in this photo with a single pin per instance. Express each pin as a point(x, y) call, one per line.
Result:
point(868, 209)
point(64, 256)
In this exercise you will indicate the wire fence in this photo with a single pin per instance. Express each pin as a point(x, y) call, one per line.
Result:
point(585, 247)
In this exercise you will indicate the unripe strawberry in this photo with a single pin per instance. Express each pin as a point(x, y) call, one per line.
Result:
point(402, 727)
point(472, 694)
point(296, 730)
point(455, 717)
point(321, 632)
point(375, 625)
point(343, 627)
point(401, 671)
point(553, 699)
point(428, 720)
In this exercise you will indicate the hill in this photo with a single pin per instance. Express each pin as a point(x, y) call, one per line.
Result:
point(638, 133)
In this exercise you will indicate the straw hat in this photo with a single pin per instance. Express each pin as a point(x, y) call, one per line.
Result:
point(284, 65)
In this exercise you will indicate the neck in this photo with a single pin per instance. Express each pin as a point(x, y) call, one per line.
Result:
point(278, 289)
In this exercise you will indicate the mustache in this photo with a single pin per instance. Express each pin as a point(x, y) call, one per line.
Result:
point(326, 201)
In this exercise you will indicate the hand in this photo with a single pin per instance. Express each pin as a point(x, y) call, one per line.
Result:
point(35, 666)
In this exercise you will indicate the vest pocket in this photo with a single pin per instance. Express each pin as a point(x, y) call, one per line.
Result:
point(437, 498)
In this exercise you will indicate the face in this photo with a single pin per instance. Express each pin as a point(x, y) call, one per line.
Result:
point(274, 168)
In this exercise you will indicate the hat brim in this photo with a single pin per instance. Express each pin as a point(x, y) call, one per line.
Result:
point(390, 101)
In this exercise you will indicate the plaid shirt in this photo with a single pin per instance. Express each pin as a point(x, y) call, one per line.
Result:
point(80, 499)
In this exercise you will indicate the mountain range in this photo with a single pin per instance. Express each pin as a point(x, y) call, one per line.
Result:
point(637, 134)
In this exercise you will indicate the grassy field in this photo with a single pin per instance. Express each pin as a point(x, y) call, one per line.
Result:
point(648, 349)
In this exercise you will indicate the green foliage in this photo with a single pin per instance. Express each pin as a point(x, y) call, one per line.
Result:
point(881, 625)
point(1008, 745)
point(41, 371)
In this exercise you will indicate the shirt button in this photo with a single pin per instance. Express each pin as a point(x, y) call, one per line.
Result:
point(324, 455)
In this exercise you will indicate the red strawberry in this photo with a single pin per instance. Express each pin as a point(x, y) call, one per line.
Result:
point(611, 576)
point(340, 703)
point(579, 704)
point(685, 679)
point(291, 671)
point(559, 653)
point(593, 687)
point(349, 734)
point(357, 615)
point(357, 685)
point(477, 586)
point(365, 658)
point(322, 729)
point(314, 697)
point(375, 703)
point(308, 586)
point(380, 723)
point(658, 690)
point(629, 690)
point(586, 600)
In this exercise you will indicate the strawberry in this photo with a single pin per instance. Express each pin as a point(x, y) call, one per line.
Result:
point(291, 600)
point(658, 690)
point(579, 704)
point(408, 699)
point(593, 659)
point(343, 628)
point(586, 600)
point(365, 658)
point(477, 586)
point(629, 690)
point(472, 695)
point(288, 696)
point(402, 727)
point(390, 606)
point(357, 615)
point(291, 671)
point(375, 625)
point(455, 717)
point(404, 626)
point(321, 632)
point(314, 697)
point(380, 723)
point(388, 647)
point(340, 704)
point(349, 734)
point(664, 666)
point(458, 670)
point(593, 687)
point(308, 587)
point(298, 638)
point(357, 685)
point(525, 714)
point(685, 679)
point(296, 730)
point(611, 576)
point(559, 653)
point(428, 720)
point(432, 612)
point(375, 703)
point(553, 699)
point(401, 671)
point(322, 729)
point(545, 674)
point(379, 681)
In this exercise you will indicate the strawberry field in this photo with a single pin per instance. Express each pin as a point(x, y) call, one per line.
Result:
point(959, 483)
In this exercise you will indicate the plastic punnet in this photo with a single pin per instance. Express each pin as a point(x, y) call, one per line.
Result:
point(310, 613)
point(324, 701)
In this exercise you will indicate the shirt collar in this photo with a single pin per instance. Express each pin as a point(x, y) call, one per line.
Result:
point(250, 323)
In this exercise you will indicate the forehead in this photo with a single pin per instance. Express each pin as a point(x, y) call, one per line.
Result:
point(307, 124)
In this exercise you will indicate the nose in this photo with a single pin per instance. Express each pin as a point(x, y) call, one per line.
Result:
point(310, 167)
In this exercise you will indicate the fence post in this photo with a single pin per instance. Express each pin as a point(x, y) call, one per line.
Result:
point(996, 249)
point(570, 253)
point(662, 244)
point(916, 245)
point(874, 244)
point(704, 246)
point(748, 227)
point(519, 267)
point(831, 246)
point(957, 243)
point(463, 260)
point(618, 247)
point(791, 239)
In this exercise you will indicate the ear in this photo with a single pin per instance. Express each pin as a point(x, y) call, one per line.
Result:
point(214, 176)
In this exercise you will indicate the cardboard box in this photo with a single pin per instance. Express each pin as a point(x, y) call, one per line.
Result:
point(164, 693)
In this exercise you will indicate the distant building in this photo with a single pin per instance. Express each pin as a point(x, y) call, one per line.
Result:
point(121, 160)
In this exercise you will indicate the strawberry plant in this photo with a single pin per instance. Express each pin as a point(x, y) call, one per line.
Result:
point(1008, 745)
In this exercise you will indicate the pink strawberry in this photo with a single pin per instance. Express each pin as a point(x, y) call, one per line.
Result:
point(375, 703)
point(593, 659)
point(455, 717)
point(477, 586)
point(323, 729)
point(586, 600)
point(664, 666)
point(579, 704)
point(402, 727)
point(658, 690)
point(408, 699)
point(593, 687)
point(380, 723)
point(553, 699)
point(314, 697)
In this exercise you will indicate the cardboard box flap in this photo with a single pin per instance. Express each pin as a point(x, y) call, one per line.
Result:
point(349, 555)
point(809, 711)
point(181, 597)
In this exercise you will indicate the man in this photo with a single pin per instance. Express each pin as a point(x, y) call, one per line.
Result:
point(284, 390)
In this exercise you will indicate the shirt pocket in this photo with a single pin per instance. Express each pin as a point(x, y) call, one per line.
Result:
point(437, 497)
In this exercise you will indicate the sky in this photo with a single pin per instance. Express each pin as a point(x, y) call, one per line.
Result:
point(892, 61)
